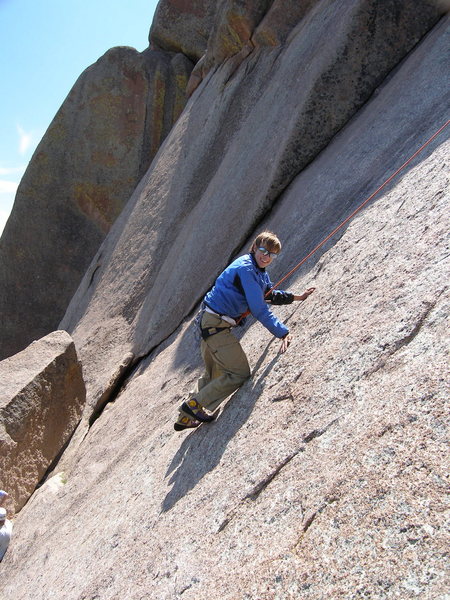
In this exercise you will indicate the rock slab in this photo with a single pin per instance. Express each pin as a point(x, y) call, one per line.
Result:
point(244, 135)
point(41, 401)
point(325, 475)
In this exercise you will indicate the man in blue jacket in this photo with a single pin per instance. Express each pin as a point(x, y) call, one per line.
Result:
point(242, 287)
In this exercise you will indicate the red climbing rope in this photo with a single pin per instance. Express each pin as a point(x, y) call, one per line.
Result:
point(362, 204)
point(324, 241)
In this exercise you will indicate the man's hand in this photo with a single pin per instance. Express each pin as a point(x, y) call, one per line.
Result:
point(305, 294)
point(285, 344)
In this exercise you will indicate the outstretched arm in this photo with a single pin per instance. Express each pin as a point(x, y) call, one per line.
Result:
point(305, 294)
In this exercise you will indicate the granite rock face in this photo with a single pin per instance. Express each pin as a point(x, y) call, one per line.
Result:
point(234, 24)
point(183, 26)
point(238, 27)
point(41, 402)
point(324, 475)
point(87, 165)
point(241, 140)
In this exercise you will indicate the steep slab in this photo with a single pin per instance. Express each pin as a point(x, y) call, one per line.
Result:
point(244, 135)
point(90, 160)
point(41, 402)
point(324, 476)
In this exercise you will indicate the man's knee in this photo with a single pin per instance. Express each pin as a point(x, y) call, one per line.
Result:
point(243, 376)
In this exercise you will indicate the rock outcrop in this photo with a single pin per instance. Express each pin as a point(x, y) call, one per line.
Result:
point(241, 140)
point(324, 475)
point(183, 26)
point(87, 165)
point(41, 402)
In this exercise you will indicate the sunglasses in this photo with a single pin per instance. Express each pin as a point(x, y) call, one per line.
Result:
point(266, 252)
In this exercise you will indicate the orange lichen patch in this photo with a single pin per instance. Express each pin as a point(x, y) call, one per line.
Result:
point(20, 253)
point(159, 96)
point(181, 81)
point(266, 37)
point(239, 28)
point(116, 120)
point(135, 82)
point(42, 174)
point(57, 131)
point(105, 108)
point(105, 159)
point(97, 203)
point(234, 32)
point(180, 96)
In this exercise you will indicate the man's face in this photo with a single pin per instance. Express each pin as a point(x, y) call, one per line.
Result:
point(263, 257)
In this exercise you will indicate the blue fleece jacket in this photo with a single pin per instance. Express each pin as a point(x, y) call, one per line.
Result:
point(242, 287)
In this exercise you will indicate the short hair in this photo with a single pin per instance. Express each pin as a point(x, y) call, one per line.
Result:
point(268, 240)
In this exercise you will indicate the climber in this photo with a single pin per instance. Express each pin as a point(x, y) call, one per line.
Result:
point(5, 532)
point(3, 496)
point(243, 285)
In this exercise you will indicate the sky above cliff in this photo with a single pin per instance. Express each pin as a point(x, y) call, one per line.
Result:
point(45, 46)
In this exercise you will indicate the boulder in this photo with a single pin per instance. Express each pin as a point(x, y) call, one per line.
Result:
point(239, 143)
point(87, 165)
point(183, 26)
point(234, 24)
point(41, 402)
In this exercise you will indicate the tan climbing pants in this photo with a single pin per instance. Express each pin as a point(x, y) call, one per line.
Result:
point(226, 365)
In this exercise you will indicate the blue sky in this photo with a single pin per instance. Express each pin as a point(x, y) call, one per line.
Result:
point(45, 45)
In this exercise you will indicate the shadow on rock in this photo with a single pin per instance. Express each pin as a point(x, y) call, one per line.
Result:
point(203, 448)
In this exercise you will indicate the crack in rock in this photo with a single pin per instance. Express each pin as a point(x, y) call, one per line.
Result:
point(315, 433)
point(309, 521)
point(262, 485)
point(405, 340)
point(114, 386)
point(259, 488)
point(283, 397)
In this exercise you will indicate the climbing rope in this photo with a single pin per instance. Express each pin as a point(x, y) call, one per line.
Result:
point(324, 241)
point(362, 205)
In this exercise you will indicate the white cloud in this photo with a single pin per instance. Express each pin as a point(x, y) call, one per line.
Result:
point(8, 187)
point(7, 194)
point(4, 171)
point(4, 215)
point(25, 140)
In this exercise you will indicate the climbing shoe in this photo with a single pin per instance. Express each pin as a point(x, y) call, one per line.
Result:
point(185, 423)
point(193, 409)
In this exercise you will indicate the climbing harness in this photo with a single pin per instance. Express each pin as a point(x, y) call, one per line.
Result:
point(209, 331)
point(206, 332)
point(330, 235)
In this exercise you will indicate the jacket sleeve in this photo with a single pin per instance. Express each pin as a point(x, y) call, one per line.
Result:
point(280, 297)
point(257, 304)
